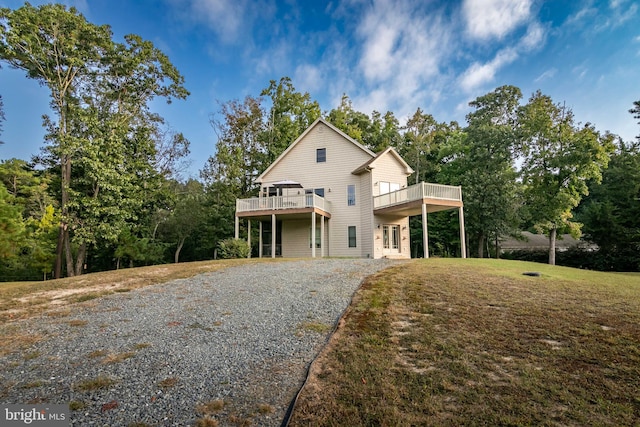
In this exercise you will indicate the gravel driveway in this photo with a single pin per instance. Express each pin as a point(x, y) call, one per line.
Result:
point(244, 335)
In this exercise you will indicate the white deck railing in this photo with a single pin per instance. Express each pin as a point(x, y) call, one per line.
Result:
point(283, 203)
point(417, 192)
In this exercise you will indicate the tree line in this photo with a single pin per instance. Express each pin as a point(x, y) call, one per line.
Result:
point(103, 192)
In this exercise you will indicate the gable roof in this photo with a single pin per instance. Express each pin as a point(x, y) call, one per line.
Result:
point(371, 163)
point(313, 125)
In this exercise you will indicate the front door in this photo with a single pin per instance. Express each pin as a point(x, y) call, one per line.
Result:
point(391, 239)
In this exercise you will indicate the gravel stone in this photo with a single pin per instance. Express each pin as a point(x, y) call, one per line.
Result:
point(245, 335)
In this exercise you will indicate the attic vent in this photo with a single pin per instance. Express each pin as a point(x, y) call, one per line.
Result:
point(320, 128)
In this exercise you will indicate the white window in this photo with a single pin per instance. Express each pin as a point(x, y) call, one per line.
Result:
point(388, 187)
point(351, 195)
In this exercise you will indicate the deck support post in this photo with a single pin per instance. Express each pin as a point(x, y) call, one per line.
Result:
point(273, 235)
point(249, 237)
point(425, 234)
point(260, 239)
point(321, 236)
point(237, 228)
point(463, 245)
point(313, 234)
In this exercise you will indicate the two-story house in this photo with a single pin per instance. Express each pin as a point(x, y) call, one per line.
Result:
point(328, 195)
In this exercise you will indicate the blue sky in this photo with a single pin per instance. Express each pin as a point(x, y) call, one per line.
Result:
point(384, 54)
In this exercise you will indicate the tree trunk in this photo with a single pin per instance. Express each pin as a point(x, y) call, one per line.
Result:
point(552, 246)
point(82, 255)
point(68, 254)
point(178, 249)
point(481, 246)
point(57, 274)
point(497, 247)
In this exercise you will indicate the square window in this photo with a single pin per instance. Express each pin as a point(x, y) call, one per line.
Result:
point(352, 236)
point(321, 155)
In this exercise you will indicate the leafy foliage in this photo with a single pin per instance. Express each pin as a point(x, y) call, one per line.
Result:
point(233, 248)
point(559, 160)
point(100, 92)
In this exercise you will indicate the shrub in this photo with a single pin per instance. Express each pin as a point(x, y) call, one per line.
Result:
point(233, 248)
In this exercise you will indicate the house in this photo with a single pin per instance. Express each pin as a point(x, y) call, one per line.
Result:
point(328, 195)
point(530, 242)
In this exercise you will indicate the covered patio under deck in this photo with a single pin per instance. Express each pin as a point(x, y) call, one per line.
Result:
point(421, 199)
point(271, 209)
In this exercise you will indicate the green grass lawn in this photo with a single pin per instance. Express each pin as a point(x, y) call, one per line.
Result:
point(474, 342)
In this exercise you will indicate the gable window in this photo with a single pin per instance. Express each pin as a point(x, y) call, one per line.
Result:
point(321, 155)
point(351, 195)
point(352, 236)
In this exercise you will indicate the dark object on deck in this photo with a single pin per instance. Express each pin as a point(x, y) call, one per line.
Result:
point(531, 273)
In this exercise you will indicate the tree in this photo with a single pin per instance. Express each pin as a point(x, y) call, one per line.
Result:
point(611, 211)
point(354, 123)
point(291, 114)
point(2, 117)
point(61, 49)
point(559, 160)
point(11, 227)
point(100, 94)
point(239, 150)
point(636, 113)
point(482, 161)
point(186, 216)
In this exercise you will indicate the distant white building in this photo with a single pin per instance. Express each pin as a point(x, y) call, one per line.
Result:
point(328, 195)
point(540, 242)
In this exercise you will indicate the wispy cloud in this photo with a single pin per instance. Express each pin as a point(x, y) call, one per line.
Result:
point(494, 19)
point(401, 53)
point(548, 74)
point(230, 20)
point(478, 74)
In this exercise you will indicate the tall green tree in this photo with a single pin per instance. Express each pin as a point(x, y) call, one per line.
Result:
point(186, 216)
point(240, 149)
point(11, 227)
point(611, 211)
point(60, 49)
point(559, 160)
point(350, 121)
point(482, 160)
point(291, 113)
point(100, 93)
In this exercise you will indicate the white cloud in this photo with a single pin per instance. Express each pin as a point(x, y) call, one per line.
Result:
point(582, 15)
point(494, 19)
point(549, 74)
point(230, 20)
point(401, 54)
point(534, 38)
point(308, 78)
point(478, 74)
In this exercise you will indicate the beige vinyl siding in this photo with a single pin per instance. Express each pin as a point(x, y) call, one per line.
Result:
point(364, 200)
point(405, 235)
point(333, 175)
point(388, 170)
